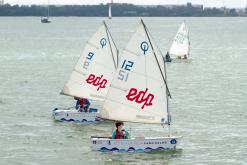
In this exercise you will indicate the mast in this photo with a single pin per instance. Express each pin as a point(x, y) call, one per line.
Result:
point(109, 14)
point(156, 58)
point(48, 10)
point(167, 91)
point(108, 37)
point(188, 40)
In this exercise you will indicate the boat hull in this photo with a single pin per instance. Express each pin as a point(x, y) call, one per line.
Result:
point(177, 60)
point(134, 144)
point(72, 115)
point(45, 20)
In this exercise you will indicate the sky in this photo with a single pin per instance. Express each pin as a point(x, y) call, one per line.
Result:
point(207, 3)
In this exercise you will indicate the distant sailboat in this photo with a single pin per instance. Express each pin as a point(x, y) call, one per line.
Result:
point(109, 11)
point(180, 49)
point(138, 93)
point(46, 18)
point(91, 76)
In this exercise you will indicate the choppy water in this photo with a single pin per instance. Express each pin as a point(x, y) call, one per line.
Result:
point(209, 95)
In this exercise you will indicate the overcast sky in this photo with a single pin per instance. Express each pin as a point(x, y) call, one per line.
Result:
point(211, 3)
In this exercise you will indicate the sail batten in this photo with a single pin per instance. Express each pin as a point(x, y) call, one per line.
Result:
point(138, 92)
point(95, 68)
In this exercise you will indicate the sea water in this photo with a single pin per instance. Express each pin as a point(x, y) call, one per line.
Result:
point(208, 105)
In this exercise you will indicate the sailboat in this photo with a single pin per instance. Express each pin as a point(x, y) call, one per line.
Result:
point(138, 94)
point(46, 18)
point(91, 76)
point(109, 11)
point(180, 49)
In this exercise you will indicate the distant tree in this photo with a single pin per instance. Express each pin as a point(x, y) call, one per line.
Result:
point(232, 12)
point(212, 12)
point(118, 9)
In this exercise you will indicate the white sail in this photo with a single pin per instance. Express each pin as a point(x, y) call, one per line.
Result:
point(95, 68)
point(138, 92)
point(109, 11)
point(180, 45)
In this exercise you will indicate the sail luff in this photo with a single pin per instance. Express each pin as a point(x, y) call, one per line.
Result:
point(168, 92)
point(117, 60)
point(156, 58)
point(188, 41)
point(106, 29)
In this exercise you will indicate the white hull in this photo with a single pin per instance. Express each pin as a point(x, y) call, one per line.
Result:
point(134, 144)
point(177, 60)
point(74, 115)
point(45, 20)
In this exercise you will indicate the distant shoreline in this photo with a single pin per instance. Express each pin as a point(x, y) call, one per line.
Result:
point(121, 10)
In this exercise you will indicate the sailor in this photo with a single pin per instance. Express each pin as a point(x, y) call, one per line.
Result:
point(120, 132)
point(82, 105)
point(168, 58)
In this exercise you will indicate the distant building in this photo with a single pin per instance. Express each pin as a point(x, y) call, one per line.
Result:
point(172, 6)
point(1, 2)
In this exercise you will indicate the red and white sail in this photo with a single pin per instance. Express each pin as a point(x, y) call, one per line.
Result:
point(138, 92)
point(93, 73)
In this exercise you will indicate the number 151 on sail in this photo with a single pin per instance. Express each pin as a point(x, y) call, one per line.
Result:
point(125, 69)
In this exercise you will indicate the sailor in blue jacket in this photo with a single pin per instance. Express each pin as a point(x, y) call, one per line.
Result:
point(120, 132)
point(82, 105)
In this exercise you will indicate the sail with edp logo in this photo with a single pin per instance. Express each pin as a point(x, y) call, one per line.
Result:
point(91, 77)
point(138, 93)
point(99, 59)
point(139, 87)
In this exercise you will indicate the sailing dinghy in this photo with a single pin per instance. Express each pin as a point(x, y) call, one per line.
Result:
point(138, 93)
point(46, 19)
point(91, 76)
point(180, 49)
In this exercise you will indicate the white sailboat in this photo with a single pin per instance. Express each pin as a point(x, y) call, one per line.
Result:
point(46, 18)
point(138, 93)
point(180, 49)
point(91, 76)
point(109, 11)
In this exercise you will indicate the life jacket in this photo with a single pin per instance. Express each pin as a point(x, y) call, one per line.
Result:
point(120, 135)
point(83, 102)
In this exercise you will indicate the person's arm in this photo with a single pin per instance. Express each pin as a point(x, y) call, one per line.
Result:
point(88, 103)
point(126, 134)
